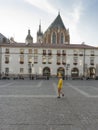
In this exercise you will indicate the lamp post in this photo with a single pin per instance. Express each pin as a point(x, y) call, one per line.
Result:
point(67, 67)
point(83, 43)
point(84, 64)
point(67, 72)
point(30, 69)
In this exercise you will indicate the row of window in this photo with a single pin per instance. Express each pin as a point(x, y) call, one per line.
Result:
point(21, 70)
point(49, 60)
point(30, 51)
point(49, 52)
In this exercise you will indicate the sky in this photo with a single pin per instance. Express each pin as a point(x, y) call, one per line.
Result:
point(80, 16)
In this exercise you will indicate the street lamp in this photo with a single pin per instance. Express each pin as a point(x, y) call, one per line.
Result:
point(66, 71)
point(83, 43)
point(67, 67)
point(84, 64)
point(30, 69)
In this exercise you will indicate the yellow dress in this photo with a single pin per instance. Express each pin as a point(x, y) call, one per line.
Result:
point(60, 83)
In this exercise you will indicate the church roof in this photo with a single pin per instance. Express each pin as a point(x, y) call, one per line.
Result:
point(1, 35)
point(3, 39)
point(29, 37)
point(57, 23)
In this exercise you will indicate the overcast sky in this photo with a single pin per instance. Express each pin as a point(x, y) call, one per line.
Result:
point(80, 16)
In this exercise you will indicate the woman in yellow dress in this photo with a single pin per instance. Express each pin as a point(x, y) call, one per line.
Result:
point(60, 85)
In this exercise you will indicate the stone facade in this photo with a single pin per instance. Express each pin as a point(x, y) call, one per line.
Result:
point(52, 54)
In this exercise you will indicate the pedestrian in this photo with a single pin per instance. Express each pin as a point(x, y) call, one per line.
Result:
point(60, 85)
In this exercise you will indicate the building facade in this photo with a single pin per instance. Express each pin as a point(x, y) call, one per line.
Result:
point(51, 54)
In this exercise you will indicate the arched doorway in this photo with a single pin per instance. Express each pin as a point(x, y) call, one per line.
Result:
point(61, 70)
point(74, 72)
point(46, 71)
point(91, 72)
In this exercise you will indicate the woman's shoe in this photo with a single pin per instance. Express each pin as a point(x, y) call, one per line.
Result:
point(63, 95)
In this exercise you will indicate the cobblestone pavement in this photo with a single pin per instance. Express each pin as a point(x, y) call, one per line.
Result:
point(33, 105)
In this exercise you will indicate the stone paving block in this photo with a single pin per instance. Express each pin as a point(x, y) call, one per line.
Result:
point(73, 112)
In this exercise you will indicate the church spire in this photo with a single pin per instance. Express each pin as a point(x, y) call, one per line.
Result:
point(59, 12)
point(39, 34)
point(40, 27)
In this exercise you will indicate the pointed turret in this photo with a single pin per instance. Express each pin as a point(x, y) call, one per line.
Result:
point(39, 34)
point(29, 38)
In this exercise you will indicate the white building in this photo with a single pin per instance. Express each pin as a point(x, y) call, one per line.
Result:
point(52, 54)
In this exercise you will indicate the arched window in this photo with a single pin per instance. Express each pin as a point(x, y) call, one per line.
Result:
point(54, 38)
point(62, 38)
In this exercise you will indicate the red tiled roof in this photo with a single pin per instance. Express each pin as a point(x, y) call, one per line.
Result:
point(39, 45)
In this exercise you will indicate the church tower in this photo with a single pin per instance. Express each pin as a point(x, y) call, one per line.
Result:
point(39, 35)
point(57, 33)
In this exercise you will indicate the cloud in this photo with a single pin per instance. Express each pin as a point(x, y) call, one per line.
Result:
point(43, 5)
point(76, 12)
point(73, 17)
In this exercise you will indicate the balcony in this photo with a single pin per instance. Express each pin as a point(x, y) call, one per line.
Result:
point(6, 62)
point(75, 63)
point(21, 52)
point(7, 52)
point(75, 54)
point(80, 54)
point(21, 62)
point(50, 54)
point(43, 62)
point(29, 61)
point(91, 63)
point(58, 63)
point(64, 63)
point(44, 53)
point(58, 54)
point(35, 62)
point(92, 55)
point(49, 63)
point(64, 54)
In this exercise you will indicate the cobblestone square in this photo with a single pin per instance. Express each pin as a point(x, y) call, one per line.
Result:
point(33, 105)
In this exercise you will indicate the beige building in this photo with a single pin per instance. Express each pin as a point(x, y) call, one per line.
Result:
point(51, 54)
